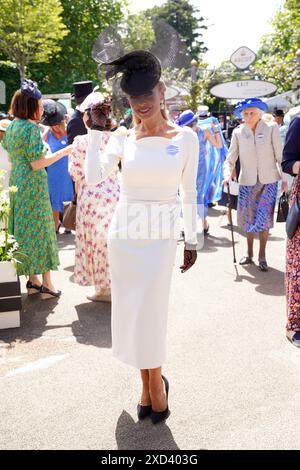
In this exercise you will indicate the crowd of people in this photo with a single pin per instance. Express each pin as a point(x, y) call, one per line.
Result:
point(165, 172)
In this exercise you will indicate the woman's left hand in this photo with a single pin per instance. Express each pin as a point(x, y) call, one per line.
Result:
point(189, 258)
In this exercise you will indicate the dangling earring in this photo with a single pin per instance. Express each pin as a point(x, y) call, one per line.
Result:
point(162, 105)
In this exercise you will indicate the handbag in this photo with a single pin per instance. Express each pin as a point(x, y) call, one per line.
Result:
point(233, 188)
point(292, 221)
point(69, 217)
point(283, 208)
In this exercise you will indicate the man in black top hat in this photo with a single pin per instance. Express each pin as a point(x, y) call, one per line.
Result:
point(76, 126)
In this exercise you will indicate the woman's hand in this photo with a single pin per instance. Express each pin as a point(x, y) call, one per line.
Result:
point(226, 181)
point(189, 258)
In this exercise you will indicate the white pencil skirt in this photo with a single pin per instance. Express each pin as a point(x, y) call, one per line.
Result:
point(141, 272)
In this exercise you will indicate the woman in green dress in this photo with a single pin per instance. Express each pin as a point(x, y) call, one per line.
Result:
point(31, 220)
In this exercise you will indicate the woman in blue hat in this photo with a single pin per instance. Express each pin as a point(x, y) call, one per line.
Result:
point(188, 118)
point(259, 147)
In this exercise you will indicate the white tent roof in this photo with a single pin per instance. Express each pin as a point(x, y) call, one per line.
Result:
point(281, 101)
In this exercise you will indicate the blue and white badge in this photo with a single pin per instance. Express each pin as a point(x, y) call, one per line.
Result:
point(172, 150)
point(260, 136)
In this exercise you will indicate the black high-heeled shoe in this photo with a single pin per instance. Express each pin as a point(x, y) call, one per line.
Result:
point(143, 411)
point(58, 227)
point(157, 416)
point(48, 294)
point(32, 288)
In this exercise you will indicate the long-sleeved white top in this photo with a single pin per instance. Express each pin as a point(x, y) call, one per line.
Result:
point(154, 169)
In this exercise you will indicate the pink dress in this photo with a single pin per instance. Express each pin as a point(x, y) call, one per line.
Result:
point(95, 207)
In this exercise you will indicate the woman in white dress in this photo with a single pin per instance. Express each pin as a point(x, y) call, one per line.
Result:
point(158, 158)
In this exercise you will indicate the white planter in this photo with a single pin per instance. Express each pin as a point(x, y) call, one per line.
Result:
point(10, 296)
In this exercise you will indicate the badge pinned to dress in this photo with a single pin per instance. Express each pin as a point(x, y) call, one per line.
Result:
point(172, 150)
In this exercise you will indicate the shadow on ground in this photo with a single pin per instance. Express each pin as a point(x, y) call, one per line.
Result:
point(267, 283)
point(93, 326)
point(143, 435)
point(66, 241)
point(34, 316)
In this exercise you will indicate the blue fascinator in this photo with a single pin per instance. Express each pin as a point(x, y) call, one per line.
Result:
point(249, 103)
point(30, 88)
point(186, 118)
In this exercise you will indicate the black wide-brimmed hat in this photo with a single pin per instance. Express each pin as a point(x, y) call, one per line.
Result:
point(54, 113)
point(140, 72)
point(82, 89)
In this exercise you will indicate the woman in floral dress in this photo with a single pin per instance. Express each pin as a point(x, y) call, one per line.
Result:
point(95, 207)
point(291, 165)
point(31, 220)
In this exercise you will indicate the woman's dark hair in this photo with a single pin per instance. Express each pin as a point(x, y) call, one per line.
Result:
point(23, 106)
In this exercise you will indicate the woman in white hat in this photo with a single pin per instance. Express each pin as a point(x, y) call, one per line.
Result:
point(95, 205)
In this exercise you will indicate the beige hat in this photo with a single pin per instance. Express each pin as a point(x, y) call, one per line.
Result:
point(4, 123)
point(203, 110)
point(93, 98)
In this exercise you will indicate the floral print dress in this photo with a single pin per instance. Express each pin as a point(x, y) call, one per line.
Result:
point(292, 276)
point(95, 207)
point(31, 220)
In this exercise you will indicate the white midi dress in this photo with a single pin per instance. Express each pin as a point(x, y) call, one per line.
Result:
point(143, 234)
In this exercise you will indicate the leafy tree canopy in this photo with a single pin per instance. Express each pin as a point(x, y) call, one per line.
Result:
point(85, 19)
point(186, 20)
point(276, 57)
point(30, 31)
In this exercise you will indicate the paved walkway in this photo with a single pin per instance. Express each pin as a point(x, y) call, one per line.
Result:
point(234, 378)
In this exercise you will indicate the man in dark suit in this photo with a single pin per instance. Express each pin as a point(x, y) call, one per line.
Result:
point(76, 126)
point(291, 150)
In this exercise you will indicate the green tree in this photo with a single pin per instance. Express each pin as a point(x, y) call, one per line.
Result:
point(194, 89)
point(278, 49)
point(85, 19)
point(186, 20)
point(138, 32)
point(30, 31)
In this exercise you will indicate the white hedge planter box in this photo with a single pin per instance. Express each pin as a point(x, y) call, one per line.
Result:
point(10, 296)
